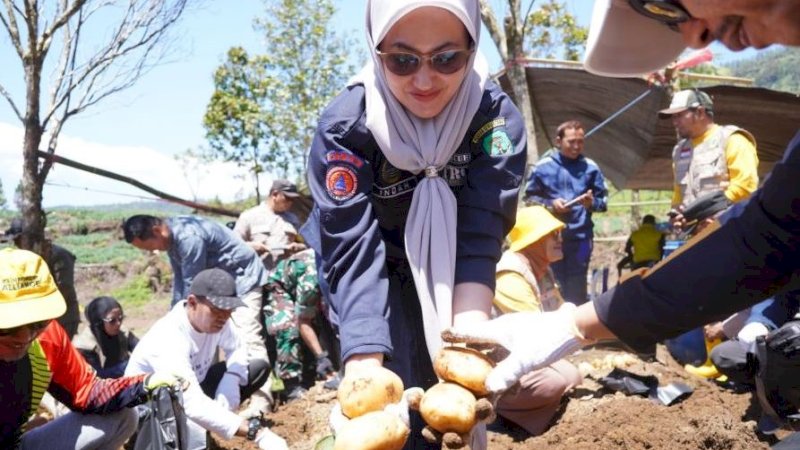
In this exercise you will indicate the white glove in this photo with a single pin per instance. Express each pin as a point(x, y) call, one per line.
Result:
point(267, 440)
point(751, 331)
point(533, 339)
point(228, 394)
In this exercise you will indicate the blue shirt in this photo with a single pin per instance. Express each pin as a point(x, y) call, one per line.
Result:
point(197, 244)
point(364, 201)
point(556, 176)
point(753, 254)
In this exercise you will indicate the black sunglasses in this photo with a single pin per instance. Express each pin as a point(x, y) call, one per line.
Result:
point(113, 319)
point(35, 328)
point(445, 62)
point(668, 12)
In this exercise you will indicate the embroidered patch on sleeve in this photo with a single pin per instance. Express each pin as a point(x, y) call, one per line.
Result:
point(496, 143)
point(487, 127)
point(341, 182)
point(343, 156)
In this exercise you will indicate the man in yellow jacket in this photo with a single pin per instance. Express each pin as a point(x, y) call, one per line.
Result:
point(708, 157)
point(645, 246)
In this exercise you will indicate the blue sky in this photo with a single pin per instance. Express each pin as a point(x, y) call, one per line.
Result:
point(137, 132)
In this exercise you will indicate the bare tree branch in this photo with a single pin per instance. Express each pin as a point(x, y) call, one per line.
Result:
point(495, 30)
point(81, 76)
point(525, 19)
point(44, 42)
point(7, 96)
point(93, 78)
point(10, 24)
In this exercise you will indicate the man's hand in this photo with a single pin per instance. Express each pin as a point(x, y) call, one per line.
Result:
point(295, 247)
point(156, 380)
point(259, 247)
point(676, 219)
point(558, 206)
point(588, 200)
point(714, 331)
point(267, 440)
point(324, 366)
point(228, 393)
point(534, 340)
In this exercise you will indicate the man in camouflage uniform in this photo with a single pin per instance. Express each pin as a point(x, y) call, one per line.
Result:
point(291, 304)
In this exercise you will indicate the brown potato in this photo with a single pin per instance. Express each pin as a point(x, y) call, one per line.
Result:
point(369, 390)
point(377, 430)
point(464, 366)
point(448, 407)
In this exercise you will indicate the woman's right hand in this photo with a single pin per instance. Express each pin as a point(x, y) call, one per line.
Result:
point(359, 362)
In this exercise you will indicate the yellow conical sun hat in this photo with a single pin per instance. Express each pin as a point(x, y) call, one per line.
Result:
point(533, 223)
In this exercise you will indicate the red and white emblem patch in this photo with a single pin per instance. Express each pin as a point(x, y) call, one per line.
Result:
point(341, 182)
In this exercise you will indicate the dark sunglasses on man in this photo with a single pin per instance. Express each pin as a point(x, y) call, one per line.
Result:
point(445, 62)
point(34, 328)
point(668, 12)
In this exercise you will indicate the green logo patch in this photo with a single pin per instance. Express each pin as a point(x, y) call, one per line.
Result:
point(496, 143)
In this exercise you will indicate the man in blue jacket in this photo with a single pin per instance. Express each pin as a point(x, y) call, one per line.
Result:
point(571, 186)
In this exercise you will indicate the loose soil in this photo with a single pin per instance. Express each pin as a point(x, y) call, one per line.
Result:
point(592, 417)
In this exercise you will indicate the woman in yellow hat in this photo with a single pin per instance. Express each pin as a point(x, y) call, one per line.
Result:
point(524, 279)
point(526, 283)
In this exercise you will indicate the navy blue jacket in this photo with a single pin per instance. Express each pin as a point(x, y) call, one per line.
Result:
point(364, 202)
point(555, 176)
point(752, 255)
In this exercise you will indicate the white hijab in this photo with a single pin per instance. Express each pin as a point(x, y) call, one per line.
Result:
point(425, 145)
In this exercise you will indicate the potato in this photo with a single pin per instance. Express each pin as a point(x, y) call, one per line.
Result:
point(464, 366)
point(377, 430)
point(448, 407)
point(369, 390)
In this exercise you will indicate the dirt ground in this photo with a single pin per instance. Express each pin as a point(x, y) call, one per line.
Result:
point(592, 417)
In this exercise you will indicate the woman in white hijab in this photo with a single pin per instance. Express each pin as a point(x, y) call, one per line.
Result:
point(415, 169)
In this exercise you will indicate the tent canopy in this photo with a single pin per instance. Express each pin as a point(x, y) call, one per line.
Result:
point(634, 150)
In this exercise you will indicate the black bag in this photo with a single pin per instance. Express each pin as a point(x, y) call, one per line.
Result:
point(778, 377)
point(164, 423)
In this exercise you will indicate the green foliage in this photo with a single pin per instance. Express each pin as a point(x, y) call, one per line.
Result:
point(134, 294)
point(264, 110)
point(555, 33)
point(776, 69)
point(99, 248)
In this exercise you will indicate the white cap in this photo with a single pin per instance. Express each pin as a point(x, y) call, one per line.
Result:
point(624, 43)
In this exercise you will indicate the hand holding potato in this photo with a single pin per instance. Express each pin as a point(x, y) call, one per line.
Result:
point(372, 412)
point(455, 407)
point(535, 340)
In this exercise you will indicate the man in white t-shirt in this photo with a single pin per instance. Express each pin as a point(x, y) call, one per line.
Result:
point(185, 341)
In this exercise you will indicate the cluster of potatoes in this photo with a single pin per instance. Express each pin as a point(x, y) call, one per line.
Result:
point(362, 398)
point(450, 408)
point(454, 406)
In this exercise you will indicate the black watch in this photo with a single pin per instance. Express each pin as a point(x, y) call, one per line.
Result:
point(252, 428)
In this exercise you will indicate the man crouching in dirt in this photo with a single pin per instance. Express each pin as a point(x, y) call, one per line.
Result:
point(185, 342)
point(750, 253)
point(36, 356)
